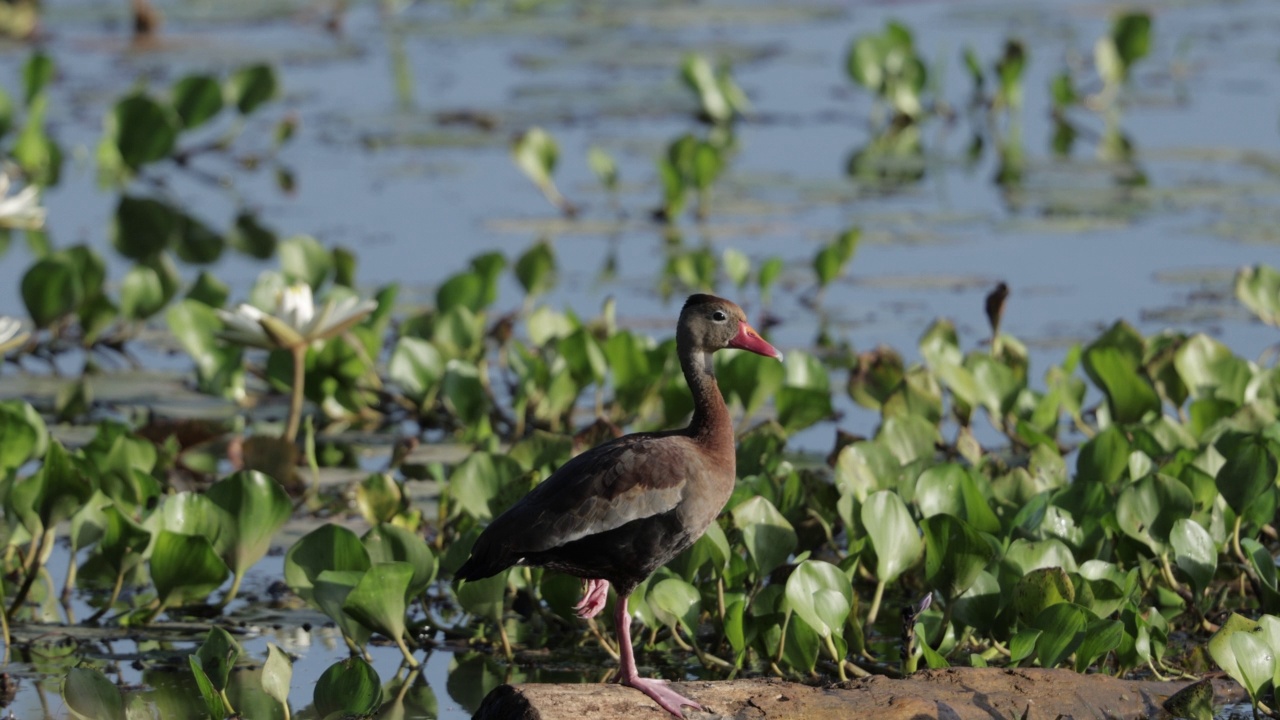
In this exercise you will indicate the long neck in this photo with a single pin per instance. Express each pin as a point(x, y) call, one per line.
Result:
point(711, 425)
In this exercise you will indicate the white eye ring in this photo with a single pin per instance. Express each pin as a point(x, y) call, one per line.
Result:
point(719, 316)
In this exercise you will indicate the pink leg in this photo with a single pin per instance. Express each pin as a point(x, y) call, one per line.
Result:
point(669, 699)
point(595, 593)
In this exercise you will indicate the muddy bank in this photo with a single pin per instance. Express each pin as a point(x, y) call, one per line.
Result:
point(953, 693)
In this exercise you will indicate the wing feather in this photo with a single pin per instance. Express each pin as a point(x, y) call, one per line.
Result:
point(628, 479)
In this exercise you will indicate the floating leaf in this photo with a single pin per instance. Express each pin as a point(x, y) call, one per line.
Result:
point(277, 674)
point(769, 538)
point(349, 687)
point(197, 99)
point(1194, 551)
point(821, 595)
point(1147, 510)
point(256, 507)
point(51, 290)
point(144, 131)
point(676, 603)
point(328, 547)
point(251, 87)
point(185, 568)
point(378, 600)
point(91, 696)
point(894, 535)
point(217, 656)
point(955, 555)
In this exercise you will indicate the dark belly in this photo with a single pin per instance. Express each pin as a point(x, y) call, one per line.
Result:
point(624, 556)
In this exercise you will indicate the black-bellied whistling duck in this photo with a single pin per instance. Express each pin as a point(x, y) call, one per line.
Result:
point(621, 510)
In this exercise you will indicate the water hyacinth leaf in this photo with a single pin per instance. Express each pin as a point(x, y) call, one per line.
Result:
point(329, 593)
point(1061, 631)
point(1194, 701)
point(392, 543)
point(476, 484)
point(1221, 649)
point(51, 290)
point(736, 266)
point(196, 99)
point(464, 395)
point(1255, 662)
point(378, 599)
point(417, 368)
point(1210, 370)
point(328, 547)
point(799, 408)
point(91, 696)
point(1249, 470)
point(484, 598)
point(213, 703)
point(141, 293)
point(142, 227)
point(379, 498)
point(1131, 35)
point(143, 130)
point(185, 568)
point(190, 513)
point(536, 268)
point(249, 88)
point(584, 356)
point(909, 438)
point(304, 259)
point(803, 644)
point(1258, 288)
point(1022, 645)
point(894, 535)
point(1104, 458)
point(752, 380)
point(217, 656)
point(37, 71)
point(604, 167)
point(1147, 510)
point(676, 604)
point(1264, 567)
point(1194, 551)
point(350, 688)
point(53, 493)
point(536, 153)
point(821, 595)
point(980, 605)
point(123, 541)
point(1101, 636)
point(1040, 589)
point(831, 260)
point(21, 436)
point(769, 538)
point(864, 467)
point(1113, 363)
point(277, 674)
point(256, 507)
point(955, 555)
point(251, 237)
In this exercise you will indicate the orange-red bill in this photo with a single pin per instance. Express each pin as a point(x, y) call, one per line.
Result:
point(748, 339)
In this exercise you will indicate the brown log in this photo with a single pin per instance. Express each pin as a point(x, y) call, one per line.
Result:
point(953, 694)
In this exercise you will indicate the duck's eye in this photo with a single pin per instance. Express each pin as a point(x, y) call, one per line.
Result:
point(719, 316)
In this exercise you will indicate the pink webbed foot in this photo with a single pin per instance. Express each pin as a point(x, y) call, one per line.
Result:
point(595, 593)
point(669, 699)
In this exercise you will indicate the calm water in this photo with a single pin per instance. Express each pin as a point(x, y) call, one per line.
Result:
point(415, 199)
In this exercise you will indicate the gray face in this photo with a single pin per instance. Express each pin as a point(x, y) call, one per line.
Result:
point(709, 326)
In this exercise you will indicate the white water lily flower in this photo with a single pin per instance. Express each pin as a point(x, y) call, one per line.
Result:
point(11, 334)
point(294, 321)
point(22, 211)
